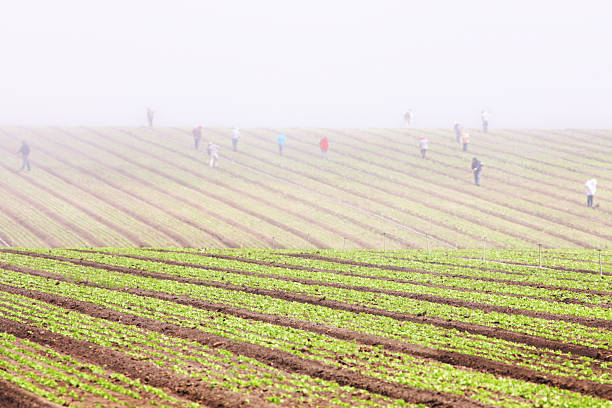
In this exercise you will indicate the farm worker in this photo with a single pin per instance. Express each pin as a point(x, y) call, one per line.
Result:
point(408, 118)
point(150, 116)
point(484, 117)
point(197, 136)
point(458, 130)
point(423, 145)
point(591, 187)
point(25, 154)
point(324, 144)
point(476, 169)
point(235, 138)
point(282, 141)
point(465, 139)
point(213, 154)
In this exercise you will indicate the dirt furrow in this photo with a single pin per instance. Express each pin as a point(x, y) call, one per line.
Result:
point(494, 332)
point(134, 214)
point(190, 387)
point(365, 196)
point(46, 238)
point(179, 238)
point(362, 243)
point(398, 280)
point(455, 169)
point(144, 371)
point(91, 240)
point(558, 268)
point(97, 217)
point(525, 197)
point(449, 357)
point(13, 396)
point(217, 197)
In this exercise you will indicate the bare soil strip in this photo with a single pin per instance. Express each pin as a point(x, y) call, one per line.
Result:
point(12, 396)
point(452, 170)
point(215, 215)
point(448, 357)
point(189, 387)
point(362, 243)
point(147, 372)
point(593, 322)
point(209, 193)
point(102, 220)
point(401, 268)
point(134, 214)
point(456, 170)
point(47, 239)
point(91, 239)
point(394, 268)
point(367, 197)
point(558, 268)
point(493, 332)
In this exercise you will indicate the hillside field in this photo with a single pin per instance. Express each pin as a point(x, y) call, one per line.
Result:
point(119, 327)
point(143, 187)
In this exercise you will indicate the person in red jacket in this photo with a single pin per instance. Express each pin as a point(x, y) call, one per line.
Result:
point(324, 144)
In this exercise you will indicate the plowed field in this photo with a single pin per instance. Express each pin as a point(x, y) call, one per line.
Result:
point(100, 327)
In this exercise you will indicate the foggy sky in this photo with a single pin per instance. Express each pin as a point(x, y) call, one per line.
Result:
point(334, 63)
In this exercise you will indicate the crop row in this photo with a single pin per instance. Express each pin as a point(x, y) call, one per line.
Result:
point(421, 334)
point(404, 308)
point(386, 366)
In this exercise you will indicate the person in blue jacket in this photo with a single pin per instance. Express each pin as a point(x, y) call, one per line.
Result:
point(282, 141)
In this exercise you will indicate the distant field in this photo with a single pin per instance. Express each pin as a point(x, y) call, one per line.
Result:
point(127, 187)
point(321, 328)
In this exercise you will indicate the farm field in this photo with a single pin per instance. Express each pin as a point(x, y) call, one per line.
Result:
point(223, 327)
point(143, 187)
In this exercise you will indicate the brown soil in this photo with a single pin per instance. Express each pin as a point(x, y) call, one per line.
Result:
point(97, 217)
point(47, 239)
point(12, 396)
point(557, 268)
point(457, 170)
point(189, 387)
point(366, 197)
point(397, 268)
point(91, 239)
point(134, 214)
point(212, 194)
point(449, 357)
point(493, 332)
point(215, 215)
point(147, 372)
point(534, 182)
point(352, 238)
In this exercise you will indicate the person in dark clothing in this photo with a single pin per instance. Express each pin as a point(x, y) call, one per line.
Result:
point(458, 129)
point(476, 169)
point(197, 136)
point(25, 153)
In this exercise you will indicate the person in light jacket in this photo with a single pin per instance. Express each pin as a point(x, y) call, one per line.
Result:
point(282, 141)
point(591, 187)
point(423, 145)
point(235, 138)
point(213, 154)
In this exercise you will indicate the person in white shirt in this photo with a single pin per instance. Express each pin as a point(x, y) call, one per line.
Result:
point(591, 187)
point(235, 138)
